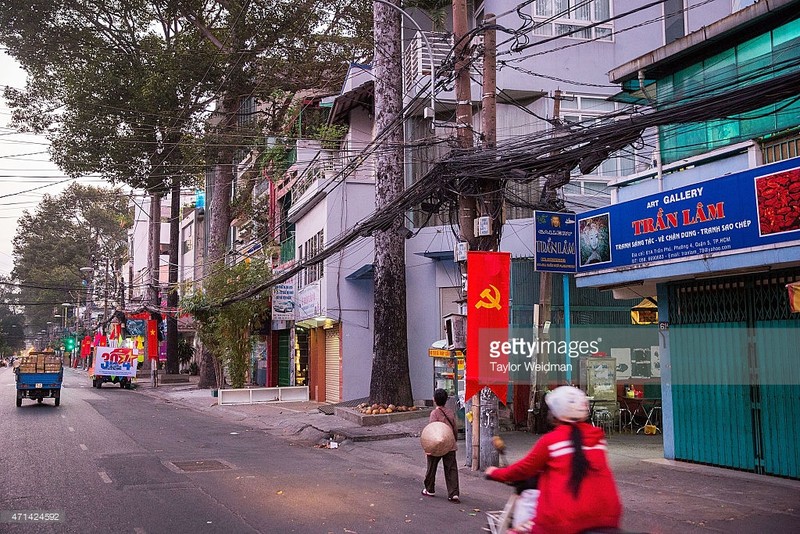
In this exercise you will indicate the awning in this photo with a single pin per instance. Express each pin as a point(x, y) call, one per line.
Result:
point(365, 272)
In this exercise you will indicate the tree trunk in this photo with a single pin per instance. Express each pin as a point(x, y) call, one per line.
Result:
point(390, 382)
point(154, 256)
point(220, 214)
point(172, 295)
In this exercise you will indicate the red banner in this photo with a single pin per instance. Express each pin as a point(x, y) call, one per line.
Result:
point(488, 281)
point(152, 339)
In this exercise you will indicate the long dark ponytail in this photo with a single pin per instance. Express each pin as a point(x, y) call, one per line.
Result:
point(580, 465)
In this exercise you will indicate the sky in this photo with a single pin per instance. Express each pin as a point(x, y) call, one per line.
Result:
point(24, 165)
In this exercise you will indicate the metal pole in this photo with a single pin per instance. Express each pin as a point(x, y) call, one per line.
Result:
point(568, 368)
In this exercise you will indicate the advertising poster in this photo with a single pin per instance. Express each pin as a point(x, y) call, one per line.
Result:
point(555, 241)
point(115, 362)
point(753, 209)
point(283, 302)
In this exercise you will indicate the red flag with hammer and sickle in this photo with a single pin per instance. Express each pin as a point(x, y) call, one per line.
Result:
point(488, 283)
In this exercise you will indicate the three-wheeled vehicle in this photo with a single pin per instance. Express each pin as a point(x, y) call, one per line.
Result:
point(39, 375)
point(113, 365)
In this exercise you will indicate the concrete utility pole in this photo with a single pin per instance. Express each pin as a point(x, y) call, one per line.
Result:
point(478, 193)
point(466, 203)
point(489, 405)
point(536, 421)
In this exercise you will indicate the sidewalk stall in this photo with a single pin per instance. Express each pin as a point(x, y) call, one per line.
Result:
point(448, 370)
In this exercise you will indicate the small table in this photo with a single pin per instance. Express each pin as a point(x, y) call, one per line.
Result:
point(643, 412)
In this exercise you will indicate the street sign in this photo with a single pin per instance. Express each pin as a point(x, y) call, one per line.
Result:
point(554, 235)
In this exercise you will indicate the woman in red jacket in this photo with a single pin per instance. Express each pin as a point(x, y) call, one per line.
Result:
point(577, 488)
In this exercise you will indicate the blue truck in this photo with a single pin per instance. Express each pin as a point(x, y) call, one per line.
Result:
point(39, 376)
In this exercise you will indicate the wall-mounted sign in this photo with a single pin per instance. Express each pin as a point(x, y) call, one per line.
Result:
point(307, 305)
point(283, 302)
point(555, 241)
point(755, 208)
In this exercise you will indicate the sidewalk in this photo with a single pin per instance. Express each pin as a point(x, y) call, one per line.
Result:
point(658, 495)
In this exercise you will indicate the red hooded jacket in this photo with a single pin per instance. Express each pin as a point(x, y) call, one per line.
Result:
point(597, 504)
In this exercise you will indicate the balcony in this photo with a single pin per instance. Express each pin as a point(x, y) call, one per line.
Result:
point(417, 64)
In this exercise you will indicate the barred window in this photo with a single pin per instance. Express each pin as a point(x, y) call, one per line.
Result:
point(311, 248)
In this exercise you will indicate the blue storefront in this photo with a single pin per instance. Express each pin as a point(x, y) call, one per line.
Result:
point(718, 253)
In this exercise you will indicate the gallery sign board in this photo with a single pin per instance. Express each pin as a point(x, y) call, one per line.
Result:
point(748, 210)
point(555, 241)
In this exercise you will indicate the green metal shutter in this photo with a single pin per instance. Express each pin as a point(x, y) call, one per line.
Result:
point(284, 359)
point(711, 395)
point(736, 379)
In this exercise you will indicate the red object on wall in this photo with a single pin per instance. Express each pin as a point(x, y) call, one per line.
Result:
point(488, 275)
point(86, 346)
point(152, 339)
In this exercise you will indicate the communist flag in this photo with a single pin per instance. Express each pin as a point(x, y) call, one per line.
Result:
point(152, 339)
point(794, 296)
point(488, 281)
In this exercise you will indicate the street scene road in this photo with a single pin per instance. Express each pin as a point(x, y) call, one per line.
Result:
point(171, 460)
point(114, 460)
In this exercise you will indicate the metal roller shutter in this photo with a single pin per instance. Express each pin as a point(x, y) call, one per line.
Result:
point(332, 366)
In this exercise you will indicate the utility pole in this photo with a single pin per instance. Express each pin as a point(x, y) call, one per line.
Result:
point(536, 420)
point(477, 194)
point(466, 203)
point(492, 202)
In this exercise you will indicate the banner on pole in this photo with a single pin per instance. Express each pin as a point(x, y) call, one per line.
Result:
point(152, 339)
point(488, 284)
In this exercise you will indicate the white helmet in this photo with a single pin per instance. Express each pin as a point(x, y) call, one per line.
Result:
point(568, 404)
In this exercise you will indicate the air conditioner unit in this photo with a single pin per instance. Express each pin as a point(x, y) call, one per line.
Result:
point(455, 330)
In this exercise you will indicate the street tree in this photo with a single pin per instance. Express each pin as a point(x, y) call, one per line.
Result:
point(227, 330)
point(12, 322)
point(269, 50)
point(118, 86)
point(390, 381)
point(82, 226)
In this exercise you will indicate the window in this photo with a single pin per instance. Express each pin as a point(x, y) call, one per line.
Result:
point(187, 241)
point(587, 188)
point(311, 248)
point(674, 26)
point(573, 17)
point(587, 111)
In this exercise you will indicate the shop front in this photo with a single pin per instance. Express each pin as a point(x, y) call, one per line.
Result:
point(719, 259)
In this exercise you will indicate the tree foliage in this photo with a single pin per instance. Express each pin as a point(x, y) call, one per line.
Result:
point(12, 323)
point(116, 86)
point(226, 331)
point(125, 88)
point(81, 227)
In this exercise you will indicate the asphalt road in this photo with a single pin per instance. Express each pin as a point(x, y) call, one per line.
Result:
point(112, 460)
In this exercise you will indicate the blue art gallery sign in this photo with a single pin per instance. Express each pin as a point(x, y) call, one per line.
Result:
point(755, 208)
point(555, 241)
